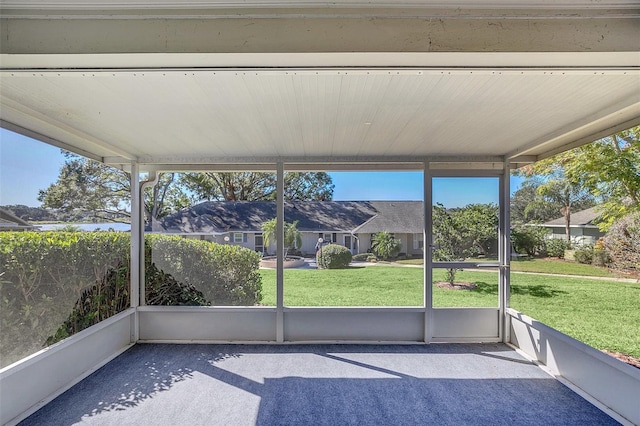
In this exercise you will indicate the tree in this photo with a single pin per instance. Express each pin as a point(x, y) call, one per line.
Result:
point(449, 239)
point(461, 233)
point(258, 186)
point(528, 206)
point(89, 188)
point(609, 169)
point(311, 186)
point(292, 237)
point(165, 197)
point(557, 188)
point(479, 223)
point(385, 245)
point(244, 186)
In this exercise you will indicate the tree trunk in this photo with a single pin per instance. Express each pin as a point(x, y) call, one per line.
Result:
point(567, 222)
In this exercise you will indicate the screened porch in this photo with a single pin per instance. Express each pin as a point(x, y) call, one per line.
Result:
point(472, 91)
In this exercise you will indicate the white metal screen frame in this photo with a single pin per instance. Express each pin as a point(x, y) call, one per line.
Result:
point(423, 324)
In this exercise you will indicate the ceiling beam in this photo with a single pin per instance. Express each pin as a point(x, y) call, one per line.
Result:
point(606, 121)
point(330, 29)
point(591, 138)
point(46, 139)
point(13, 111)
point(264, 62)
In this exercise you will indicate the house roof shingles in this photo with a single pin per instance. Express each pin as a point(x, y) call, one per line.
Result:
point(214, 217)
point(583, 218)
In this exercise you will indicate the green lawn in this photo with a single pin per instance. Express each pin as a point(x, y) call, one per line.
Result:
point(603, 314)
point(543, 266)
point(557, 266)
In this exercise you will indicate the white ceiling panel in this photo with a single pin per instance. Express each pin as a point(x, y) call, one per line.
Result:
point(257, 115)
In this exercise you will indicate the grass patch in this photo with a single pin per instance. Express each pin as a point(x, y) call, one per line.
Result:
point(602, 314)
point(558, 266)
point(542, 266)
point(355, 286)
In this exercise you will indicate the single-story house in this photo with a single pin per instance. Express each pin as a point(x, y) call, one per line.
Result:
point(348, 223)
point(11, 222)
point(582, 227)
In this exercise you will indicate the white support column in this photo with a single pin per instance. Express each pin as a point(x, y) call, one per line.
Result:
point(504, 253)
point(135, 260)
point(280, 253)
point(427, 253)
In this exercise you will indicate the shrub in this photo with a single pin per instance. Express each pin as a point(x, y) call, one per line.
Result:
point(226, 274)
point(365, 257)
point(529, 239)
point(622, 243)
point(45, 276)
point(361, 257)
point(333, 256)
point(107, 298)
point(556, 247)
point(384, 245)
point(584, 254)
point(42, 274)
point(600, 255)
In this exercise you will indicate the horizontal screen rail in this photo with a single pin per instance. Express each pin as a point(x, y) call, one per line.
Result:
point(465, 265)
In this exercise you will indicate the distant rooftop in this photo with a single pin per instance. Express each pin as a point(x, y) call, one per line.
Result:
point(584, 218)
point(11, 222)
point(312, 216)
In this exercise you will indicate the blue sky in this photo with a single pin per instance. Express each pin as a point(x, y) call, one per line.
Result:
point(27, 166)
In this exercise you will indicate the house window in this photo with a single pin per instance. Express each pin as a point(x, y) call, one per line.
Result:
point(327, 238)
point(418, 241)
point(237, 237)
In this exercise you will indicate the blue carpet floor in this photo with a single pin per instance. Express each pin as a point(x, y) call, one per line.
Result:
point(444, 384)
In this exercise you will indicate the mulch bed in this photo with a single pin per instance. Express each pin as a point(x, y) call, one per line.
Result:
point(624, 358)
point(456, 286)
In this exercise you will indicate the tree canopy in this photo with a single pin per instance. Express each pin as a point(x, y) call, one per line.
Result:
point(607, 170)
point(557, 189)
point(464, 232)
point(258, 186)
point(528, 206)
point(85, 185)
point(89, 188)
point(610, 170)
point(103, 192)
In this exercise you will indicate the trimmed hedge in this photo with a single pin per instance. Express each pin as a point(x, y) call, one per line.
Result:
point(77, 279)
point(365, 257)
point(226, 274)
point(107, 298)
point(333, 256)
point(42, 274)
